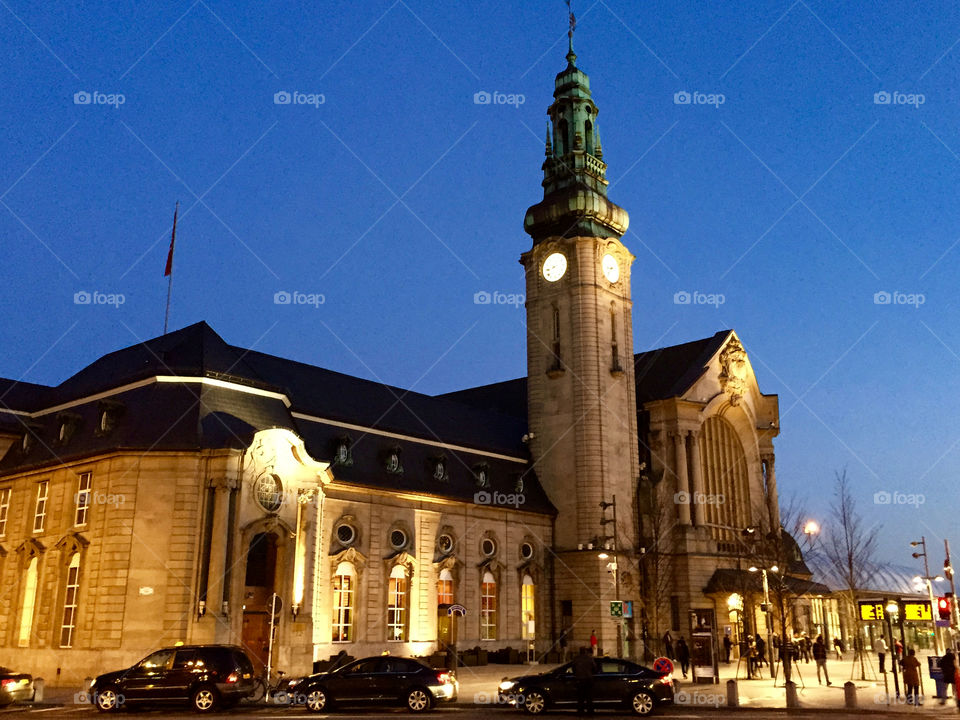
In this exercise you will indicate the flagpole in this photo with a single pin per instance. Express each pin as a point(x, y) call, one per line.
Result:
point(169, 269)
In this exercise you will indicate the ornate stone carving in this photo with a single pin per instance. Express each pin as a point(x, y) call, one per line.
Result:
point(733, 376)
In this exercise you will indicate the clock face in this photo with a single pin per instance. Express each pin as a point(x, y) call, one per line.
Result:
point(554, 267)
point(611, 270)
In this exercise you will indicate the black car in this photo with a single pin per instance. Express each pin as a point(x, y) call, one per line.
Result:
point(617, 684)
point(14, 687)
point(381, 680)
point(206, 676)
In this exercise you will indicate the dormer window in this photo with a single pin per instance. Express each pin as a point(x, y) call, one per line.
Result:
point(440, 469)
point(481, 474)
point(392, 461)
point(342, 454)
point(108, 417)
point(68, 423)
point(26, 442)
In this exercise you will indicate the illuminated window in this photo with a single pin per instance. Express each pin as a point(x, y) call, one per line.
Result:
point(488, 608)
point(72, 589)
point(344, 584)
point(40, 514)
point(4, 510)
point(84, 482)
point(397, 605)
point(527, 608)
point(29, 603)
point(445, 588)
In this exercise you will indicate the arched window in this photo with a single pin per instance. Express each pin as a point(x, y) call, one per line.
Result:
point(29, 603)
point(564, 139)
point(488, 607)
point(445, 588)
point(397, 605)
point(588, 136)
point(344, 596)
point(725, 478)
point(70, 601)
point(528, 613)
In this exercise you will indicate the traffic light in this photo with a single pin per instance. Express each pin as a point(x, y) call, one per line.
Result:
point(943, 607)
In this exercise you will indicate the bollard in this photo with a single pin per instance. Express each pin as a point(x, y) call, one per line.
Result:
point(733, 694)
point(84, 695)
point(38, 690)
point(791, 688)
point(849, 695)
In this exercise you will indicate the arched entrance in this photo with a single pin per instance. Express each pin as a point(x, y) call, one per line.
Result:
point(260, 583)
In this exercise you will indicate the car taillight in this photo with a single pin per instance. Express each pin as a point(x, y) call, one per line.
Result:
point(232, 677)
point(666, 680)
point(443, 677)
point(9, 684)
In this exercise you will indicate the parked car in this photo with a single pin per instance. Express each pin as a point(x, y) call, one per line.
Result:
point(206, 676)
point(14, 687)
point(617, 684)
point(380, 680)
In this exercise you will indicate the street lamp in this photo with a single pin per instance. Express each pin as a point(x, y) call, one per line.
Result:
point(929, 580)
point(766, 608)
point(892, 607)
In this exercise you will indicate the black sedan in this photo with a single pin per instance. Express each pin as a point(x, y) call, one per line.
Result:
point(617, 684)
point(14, 687)
point(381, 680)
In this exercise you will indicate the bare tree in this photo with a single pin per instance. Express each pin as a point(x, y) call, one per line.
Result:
point(848, 548)
point(656, 560)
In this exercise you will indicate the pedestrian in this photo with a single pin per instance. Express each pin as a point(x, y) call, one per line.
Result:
point(820, 657)
point(911, 677)
point(727, 646)
point(751, 659)
point(838, 646)
point(807, 648)
point(594, 643)
point(898, 650)
point(683, 655)
point(787, 655)
point(668, 645)
point(881, 648)
point(762, 651)
point(563, 644)
point(584, 668)
point(948, 665)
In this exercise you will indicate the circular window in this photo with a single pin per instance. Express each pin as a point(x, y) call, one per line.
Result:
point(488, 547)
point(445, 544)
point(526, 551)
point(398, 539)
point(346, 534)
point(269, 492)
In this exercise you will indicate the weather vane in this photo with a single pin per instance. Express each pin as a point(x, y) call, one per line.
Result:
point(573, 26)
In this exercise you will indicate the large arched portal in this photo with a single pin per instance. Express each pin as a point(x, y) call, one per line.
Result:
point(260, 583)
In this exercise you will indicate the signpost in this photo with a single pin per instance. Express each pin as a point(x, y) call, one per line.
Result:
point(454, 611)
point(276, 605)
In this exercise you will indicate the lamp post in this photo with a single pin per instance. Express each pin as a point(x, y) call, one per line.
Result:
point(893, 607)
point(766, 608)
point(954, 610)
point(929, 580)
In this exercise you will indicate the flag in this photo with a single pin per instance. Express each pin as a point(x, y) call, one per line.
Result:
point(173, 239)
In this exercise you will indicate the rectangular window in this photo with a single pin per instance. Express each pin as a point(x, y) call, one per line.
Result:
point(488, 610)
point(397, 598)
point(84, 483)
point(4, 510)
point(72, 588)
point(445, 592)
point(40, 514)
point(528, 613)
point(29, 603)
point(343, 608)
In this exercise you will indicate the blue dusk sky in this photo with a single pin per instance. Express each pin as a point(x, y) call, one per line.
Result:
point(805, 194)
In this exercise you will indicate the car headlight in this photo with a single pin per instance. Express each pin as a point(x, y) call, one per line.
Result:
point(506, 685)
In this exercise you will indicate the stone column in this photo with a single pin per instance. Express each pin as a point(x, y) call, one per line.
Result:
point(216, 592)
point(680, 470)
point(773, 502)
point(698, 513)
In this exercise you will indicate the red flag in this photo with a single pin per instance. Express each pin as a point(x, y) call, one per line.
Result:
point(173, 239)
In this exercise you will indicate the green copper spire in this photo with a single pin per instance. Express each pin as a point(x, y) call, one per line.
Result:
point(574, 174)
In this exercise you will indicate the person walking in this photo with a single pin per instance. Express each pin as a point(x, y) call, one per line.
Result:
point(762, 651)
point(911, 677)
point(727, 647)
point(584, 668)
point(881, 647)
point(787, 654)
point(563, 644)
point(820, 657)
point(838, 646)
point(594, 643)
point(683, 655)
point(948, 665)
point(668, 645)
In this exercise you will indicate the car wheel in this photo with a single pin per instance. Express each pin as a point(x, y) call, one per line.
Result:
point(642, 703)
point(419, 700)
point(204, 699)
point(316, 700)
point(108, 699)
point(534, 702)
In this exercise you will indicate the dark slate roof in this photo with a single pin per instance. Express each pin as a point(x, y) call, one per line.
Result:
point(731, 580)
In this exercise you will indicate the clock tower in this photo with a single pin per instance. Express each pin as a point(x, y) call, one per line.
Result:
point(581, 393)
